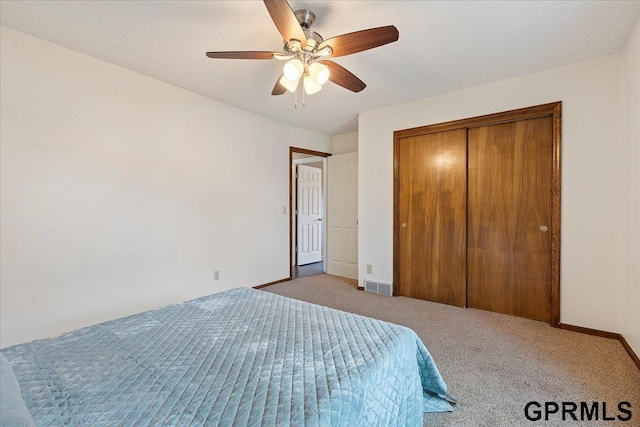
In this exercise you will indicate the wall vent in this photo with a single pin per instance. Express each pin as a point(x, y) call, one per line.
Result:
point(379, 288)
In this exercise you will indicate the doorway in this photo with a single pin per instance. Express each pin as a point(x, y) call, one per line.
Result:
point(307, 209)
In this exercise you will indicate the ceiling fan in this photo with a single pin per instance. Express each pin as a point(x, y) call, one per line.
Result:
point(306, 51)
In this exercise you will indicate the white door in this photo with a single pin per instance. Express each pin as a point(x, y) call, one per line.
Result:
point(342, 201)
point(309, 201)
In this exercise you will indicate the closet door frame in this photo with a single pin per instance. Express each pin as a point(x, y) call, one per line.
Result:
point(555, 111)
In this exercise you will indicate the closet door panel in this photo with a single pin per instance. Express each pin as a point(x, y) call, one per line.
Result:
point(509, 218)
point(431, 219)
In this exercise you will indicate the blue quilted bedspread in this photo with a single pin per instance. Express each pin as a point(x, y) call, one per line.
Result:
point(240, 357)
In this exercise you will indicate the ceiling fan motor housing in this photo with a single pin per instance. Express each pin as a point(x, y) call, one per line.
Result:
point(313, 40)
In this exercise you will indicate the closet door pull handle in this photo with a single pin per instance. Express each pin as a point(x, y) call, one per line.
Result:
point(404, 225)
point(543, 228)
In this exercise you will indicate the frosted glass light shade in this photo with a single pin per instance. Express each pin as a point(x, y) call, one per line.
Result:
point(288, 84)
point(293, 69)
point(319, 73)
point(310, 86)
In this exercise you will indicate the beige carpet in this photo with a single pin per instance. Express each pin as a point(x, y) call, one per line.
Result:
point(493, 363)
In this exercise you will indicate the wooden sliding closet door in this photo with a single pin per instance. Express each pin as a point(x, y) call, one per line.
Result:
point(509, 217)
point(430, 221)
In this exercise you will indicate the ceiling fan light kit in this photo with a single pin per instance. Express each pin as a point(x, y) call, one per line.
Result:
point(306, 51)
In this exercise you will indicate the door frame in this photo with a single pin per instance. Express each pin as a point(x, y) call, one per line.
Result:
point(291, 207)
point(554, 110)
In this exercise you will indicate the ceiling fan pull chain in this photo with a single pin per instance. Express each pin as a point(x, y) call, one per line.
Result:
point(303, 104)
point(295, 98)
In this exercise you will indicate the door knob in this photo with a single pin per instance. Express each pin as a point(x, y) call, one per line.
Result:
point(404, 225)
point(543, 228)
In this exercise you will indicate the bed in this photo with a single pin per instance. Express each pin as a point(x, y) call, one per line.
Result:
point(239, 357)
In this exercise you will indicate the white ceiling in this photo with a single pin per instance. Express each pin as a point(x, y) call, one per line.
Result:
point(443, 46)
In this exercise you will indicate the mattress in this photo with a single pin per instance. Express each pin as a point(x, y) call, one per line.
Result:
point(239, 357)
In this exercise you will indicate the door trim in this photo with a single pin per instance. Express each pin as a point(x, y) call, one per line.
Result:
point(552, 109)
point(291, 207)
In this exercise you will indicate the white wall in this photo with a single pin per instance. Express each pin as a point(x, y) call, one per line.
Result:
point(630, 312)
point(344, 143)
point(591, 175)
point(120, 193)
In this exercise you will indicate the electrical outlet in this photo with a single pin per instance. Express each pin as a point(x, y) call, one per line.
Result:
point(216, 275)
point(369, 269)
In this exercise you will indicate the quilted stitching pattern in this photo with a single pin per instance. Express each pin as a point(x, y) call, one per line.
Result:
point(240, 357)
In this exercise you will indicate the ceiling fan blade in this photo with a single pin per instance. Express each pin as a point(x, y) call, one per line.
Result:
point(241, 55)
point(285, 20)
point(358, 41)
point(278, 89)
point(343, 77)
